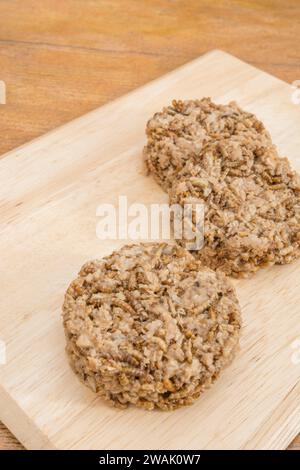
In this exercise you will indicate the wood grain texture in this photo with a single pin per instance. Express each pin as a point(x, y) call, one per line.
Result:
point(61, 59)
point(48, 222)
point(7, 440)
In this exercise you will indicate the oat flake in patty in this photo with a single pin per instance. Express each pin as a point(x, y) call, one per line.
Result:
point(178, 133)
point(252, 206)
point(150, 326)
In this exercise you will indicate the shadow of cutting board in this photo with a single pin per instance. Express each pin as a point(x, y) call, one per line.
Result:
point(49, 193)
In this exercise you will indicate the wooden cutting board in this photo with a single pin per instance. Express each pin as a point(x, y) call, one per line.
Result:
point(50, 189)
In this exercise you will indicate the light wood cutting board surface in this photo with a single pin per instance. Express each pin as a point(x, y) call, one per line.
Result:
point(48, 229)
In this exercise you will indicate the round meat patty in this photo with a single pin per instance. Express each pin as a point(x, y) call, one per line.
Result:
point(178, 133)
point(150, 326)
point(251, 206)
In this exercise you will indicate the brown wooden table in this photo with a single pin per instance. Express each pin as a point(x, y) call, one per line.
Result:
point(60, 59)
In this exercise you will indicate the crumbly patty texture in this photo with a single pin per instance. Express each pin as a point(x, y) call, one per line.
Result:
point(179, 132)
point(150, 326)
point(252, 206)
